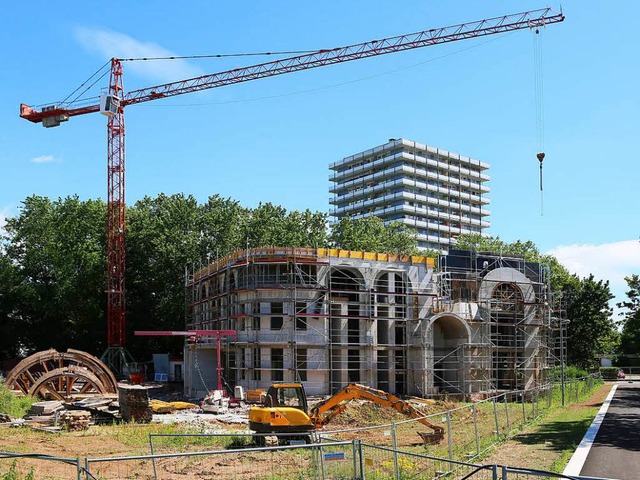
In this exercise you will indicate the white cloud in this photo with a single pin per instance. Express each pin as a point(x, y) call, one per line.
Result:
point(608, 261)
point(44, 159)
point(110, 44)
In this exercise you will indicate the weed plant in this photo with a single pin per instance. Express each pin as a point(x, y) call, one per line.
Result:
point(13, 405)
point(13, 473)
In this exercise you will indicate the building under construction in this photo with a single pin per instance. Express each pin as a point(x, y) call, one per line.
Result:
point(465, 323)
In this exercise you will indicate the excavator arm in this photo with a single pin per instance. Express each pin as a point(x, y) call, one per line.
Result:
point(322, 413)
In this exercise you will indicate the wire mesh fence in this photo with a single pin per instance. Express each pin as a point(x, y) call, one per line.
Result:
point(336, 460)
point(393, 451)
point(17, 466)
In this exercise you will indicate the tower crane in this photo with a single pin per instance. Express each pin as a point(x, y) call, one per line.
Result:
point(114, 102)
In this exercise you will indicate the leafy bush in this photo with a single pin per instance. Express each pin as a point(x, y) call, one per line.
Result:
point(609, 373)
point(13, 405)
point(571, 372)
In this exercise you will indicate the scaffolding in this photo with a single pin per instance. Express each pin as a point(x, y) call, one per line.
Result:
point(513, 316)
point(478, 323)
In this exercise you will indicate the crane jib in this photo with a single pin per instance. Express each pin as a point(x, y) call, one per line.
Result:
point(324, 57)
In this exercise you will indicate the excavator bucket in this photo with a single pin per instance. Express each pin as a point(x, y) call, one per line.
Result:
point(431, 438)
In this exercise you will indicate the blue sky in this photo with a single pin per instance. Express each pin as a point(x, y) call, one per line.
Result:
point(273, 139)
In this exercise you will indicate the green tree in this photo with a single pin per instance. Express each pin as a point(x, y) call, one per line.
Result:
point(11, 335)
point(630, 337)
point(371, 234)
point(221, 223)
point(488, 244)
point(307, 229)
point(58, 249)
point(164, 236)
point(270, 224)
point(591, 329)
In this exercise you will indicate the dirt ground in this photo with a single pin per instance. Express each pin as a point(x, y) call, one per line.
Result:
point(127, 440)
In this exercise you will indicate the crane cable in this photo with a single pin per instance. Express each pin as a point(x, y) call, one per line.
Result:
point(78, 98)
point(539, 107)
point(222, 55)
point(196, 365)
point(175, 57)
point(107, 70)
point(330, 86)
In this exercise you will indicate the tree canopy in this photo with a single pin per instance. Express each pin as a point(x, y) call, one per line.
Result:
point(630, 337)
point(54, 274)
point(53, 262)
point(591, 330)
point(372, 235)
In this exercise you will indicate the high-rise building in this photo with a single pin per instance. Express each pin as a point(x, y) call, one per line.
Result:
point(438, 193)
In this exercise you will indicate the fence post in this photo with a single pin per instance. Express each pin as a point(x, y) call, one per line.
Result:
point(319, 460)
point(322, 462)
point(153, 460)
point(504, 473)
point(79, 468)
point(494, 471)
point(449, 440)
point(361, 457)
point(506, 411)
point(495, 416)
point(395, 451)
point(355, 460)
point(475, 427)
point(87, 470)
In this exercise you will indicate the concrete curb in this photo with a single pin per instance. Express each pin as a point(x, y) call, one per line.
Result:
point(580, 455)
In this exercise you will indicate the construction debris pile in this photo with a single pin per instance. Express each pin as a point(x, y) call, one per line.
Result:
point(132, 403)
point(55, 415)
point(78, 390)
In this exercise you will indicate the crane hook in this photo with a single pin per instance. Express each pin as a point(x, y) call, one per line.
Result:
point(540, 157)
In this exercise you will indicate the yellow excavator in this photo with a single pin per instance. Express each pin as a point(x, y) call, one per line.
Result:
point(285, 411)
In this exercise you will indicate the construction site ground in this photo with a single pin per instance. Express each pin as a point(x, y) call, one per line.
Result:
point(547, 444)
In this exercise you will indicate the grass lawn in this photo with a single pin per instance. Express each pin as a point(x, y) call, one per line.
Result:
point(549, 443)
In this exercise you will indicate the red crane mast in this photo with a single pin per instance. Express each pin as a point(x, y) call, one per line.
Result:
point(113, 105)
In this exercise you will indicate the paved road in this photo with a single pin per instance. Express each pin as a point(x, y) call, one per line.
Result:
point(616, 450)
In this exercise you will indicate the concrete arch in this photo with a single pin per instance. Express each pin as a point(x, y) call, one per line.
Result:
point(449, 334)
point(506, 275)
point(347, 278)
point(447, 315)
point(391, 281)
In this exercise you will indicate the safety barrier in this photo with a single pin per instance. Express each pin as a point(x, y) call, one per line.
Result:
point(387, 453)
point(473, 429)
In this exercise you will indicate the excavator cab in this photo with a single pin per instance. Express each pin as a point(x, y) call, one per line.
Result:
point(284, 411)
point(287, 395)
